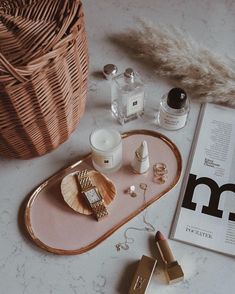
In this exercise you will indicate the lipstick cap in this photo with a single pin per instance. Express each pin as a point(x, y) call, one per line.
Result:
point(143, 275)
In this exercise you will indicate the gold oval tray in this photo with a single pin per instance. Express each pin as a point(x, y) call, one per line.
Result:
point(55, 227)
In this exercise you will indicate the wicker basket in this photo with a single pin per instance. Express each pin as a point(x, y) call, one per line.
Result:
point(43, 74)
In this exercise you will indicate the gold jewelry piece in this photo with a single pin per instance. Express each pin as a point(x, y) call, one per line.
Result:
point(159, 167)
point(131, 191)
point(160, 173)
point(139, 158)
point(92, 195)
point(148, 228)
point(143, 186)
point(161, 179)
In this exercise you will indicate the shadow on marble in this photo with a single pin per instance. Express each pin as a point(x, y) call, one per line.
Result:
point(97, 75)
point(126, 277)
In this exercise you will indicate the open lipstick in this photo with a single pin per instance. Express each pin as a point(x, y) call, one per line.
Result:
point(173, 270)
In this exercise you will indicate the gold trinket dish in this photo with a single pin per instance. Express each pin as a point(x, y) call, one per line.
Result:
point(57, 228)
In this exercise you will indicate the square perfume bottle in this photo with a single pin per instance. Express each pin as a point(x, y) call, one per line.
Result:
point(128, 98)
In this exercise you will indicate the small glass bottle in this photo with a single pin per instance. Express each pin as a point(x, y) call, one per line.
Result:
point(127, 93)
point(174, 109)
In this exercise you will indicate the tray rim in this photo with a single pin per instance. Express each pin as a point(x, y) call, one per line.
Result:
point(33, 195)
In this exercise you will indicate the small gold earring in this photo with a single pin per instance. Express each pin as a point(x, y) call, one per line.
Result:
point(131, 191)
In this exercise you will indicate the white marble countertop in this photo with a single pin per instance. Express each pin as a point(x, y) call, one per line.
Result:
point(24, 268)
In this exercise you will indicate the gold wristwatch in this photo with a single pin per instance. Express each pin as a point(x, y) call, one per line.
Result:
point(92, 195)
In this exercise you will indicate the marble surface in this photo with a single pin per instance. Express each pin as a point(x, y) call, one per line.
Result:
point(26, 269)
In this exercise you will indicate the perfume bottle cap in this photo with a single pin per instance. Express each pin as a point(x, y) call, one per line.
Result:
point(176, 98)
point(109, 71)
point(129, 74)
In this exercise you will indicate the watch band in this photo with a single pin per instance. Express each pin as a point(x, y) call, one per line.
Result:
point(84, 180)
point(98, 208)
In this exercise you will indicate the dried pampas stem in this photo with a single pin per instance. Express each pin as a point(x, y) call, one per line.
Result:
point(175, 55)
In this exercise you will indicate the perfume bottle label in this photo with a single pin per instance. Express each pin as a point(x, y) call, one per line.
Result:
point(135, 104)
point(171, 121)
point(103, 161)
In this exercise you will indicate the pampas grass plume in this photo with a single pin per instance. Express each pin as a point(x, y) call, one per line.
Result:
point(175, 55)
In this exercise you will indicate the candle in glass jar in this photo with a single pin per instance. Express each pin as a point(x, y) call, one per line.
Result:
point(106, 146)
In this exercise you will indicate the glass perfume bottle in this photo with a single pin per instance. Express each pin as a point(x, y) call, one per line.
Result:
point(174, 109)
point(127, 91)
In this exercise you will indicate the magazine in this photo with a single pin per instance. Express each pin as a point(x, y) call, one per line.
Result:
point(205, 215)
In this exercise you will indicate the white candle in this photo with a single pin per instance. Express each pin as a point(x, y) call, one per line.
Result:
point(106, 146)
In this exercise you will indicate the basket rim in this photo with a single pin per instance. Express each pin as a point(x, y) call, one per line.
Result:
point(59, 45)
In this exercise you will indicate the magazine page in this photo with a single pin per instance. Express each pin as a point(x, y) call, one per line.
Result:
point(206, 214)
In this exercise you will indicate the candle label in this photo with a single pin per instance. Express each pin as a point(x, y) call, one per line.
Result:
point(103, 161)
point(135, 104)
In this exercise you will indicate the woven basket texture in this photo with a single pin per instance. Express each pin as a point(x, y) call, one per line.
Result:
point(43, 74)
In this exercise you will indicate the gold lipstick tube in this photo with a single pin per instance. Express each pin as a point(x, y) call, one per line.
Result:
point(174, 272)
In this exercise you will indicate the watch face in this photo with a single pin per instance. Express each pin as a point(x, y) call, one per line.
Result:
point(92, 196)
